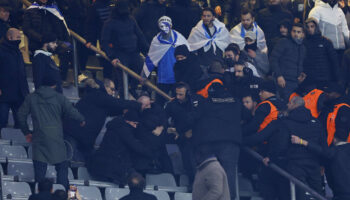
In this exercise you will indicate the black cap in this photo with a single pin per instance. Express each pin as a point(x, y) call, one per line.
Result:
point(47, 38)
point(182, 50)
point(268, 86)
point(132, 115)
point(334, 87)
point(48, 81)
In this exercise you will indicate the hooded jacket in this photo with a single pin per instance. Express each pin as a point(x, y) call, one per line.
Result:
point(321, 60)
point(332, 23)
point(47, 108)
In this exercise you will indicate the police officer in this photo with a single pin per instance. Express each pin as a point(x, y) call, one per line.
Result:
point(184, 105)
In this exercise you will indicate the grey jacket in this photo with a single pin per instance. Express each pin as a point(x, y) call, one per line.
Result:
point(210, 182)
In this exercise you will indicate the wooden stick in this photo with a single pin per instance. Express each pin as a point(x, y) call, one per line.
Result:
point(121, 66)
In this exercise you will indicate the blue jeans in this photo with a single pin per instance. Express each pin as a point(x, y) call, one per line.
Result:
point(40, 169)
point(4, 113)
point(227, 153)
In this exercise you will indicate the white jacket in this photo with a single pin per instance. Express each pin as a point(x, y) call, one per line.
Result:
point(332, 23)
point(238, 33)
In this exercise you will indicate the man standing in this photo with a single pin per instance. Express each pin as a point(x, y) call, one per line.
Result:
point(4, 18)
point(321, 64)
point(248, 24)
point(209, 37)
point(332, 23)
point(48, 108)
point(269, 19)
point(161, 55)
point(287, 61)
point(13, 80)
point(44, 66)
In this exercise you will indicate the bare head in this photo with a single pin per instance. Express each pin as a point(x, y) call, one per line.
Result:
point(13, 34)
point(145, 102)
point(295, 103)
point(109, 86)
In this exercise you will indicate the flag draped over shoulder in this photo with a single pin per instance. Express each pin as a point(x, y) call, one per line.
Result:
point(199, 37)
point(158, 49)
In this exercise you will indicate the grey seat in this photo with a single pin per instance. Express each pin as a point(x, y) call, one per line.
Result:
point(22, 168)
point(16, 190)
point(15, 135)
point(183, 196)
point(12, 152)
point(164, 179)
point(245, 187)
point(89, 193)
point(116, 193)
point(184, 180)
point(161, 195)
point(83, 174)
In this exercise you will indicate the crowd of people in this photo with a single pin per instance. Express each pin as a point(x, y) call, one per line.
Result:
point(272, 75)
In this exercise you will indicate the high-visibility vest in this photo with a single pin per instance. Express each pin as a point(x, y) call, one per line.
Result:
point(270, 117)
point(204, 92)
point(294, 94)
point(311, 100)
point(331, 123)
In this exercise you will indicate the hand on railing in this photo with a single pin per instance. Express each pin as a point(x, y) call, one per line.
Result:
point(115, 62)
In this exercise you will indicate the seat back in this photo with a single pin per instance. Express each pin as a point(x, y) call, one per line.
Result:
point(164, 179)
point(183, 196)
point(83, 174)
point(12, 152)
point(161, 195)
point(116, 193)
point(16, 189)
point(23, 169)
point(15, 135)
point(89, 193)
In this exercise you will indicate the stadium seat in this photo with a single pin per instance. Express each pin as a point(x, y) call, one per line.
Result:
point(116, 193)
point(164, 179)
point(30, 151)
point(183, 196)
point(184, 180)
point(22, 168)
point(19, 190)
point(12, 152)
point(161, 195)
point(89, 193)
point(245, 187)
point(54, 187)
point(83, 174)
point(15, 135)
point(11, 121)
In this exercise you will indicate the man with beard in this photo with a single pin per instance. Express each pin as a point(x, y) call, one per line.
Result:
point(122, 40)
point(248, 24)
point(187, 68)
point(256, 56)
point(209, 38)
point(269, 18)
point(287, 61)
point(43, 64)
point(161, 55)
point(321, 64)
point(13, 80)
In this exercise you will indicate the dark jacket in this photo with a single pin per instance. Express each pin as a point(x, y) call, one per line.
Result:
point(269, 18)
point(321, 61)
point(13, 79)
point(184, 16)
point(4, 26)
point(47, 108)
point(147, 16)
point(188, 71)
point(239, 86)
point(113, 158)
point(345, 69)
point(287, 59)
point(122, 35)
point(299, 122)
point(98, 14)
point(96, 105)
point(338, 168)
point(41, 196)
point(218, 120)
point(44, 66)
point(138, 194)
point(39, 22)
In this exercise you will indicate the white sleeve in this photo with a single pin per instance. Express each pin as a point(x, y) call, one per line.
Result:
point(345, 28)
point(315, 13)
point(261, 39)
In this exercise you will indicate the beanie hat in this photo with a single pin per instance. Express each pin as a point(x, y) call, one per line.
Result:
point(48, 81)
point(182, 50)
point(268, 86)
point(165, 19)
point(132, 115)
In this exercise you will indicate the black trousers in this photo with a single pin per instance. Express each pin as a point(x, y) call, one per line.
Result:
point(40, 169)
point(188, 158)
point(227, 153)
point(4, 113)
point(307, 171)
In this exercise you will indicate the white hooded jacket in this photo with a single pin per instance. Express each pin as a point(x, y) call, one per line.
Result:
point(332, 23)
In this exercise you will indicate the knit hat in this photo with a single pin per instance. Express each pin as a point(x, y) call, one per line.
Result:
point(268, 86)
point(251, 35)
point(182, 50)
point(165, 19)
point(132, 115)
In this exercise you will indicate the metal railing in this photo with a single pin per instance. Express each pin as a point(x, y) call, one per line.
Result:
point(293, 181)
